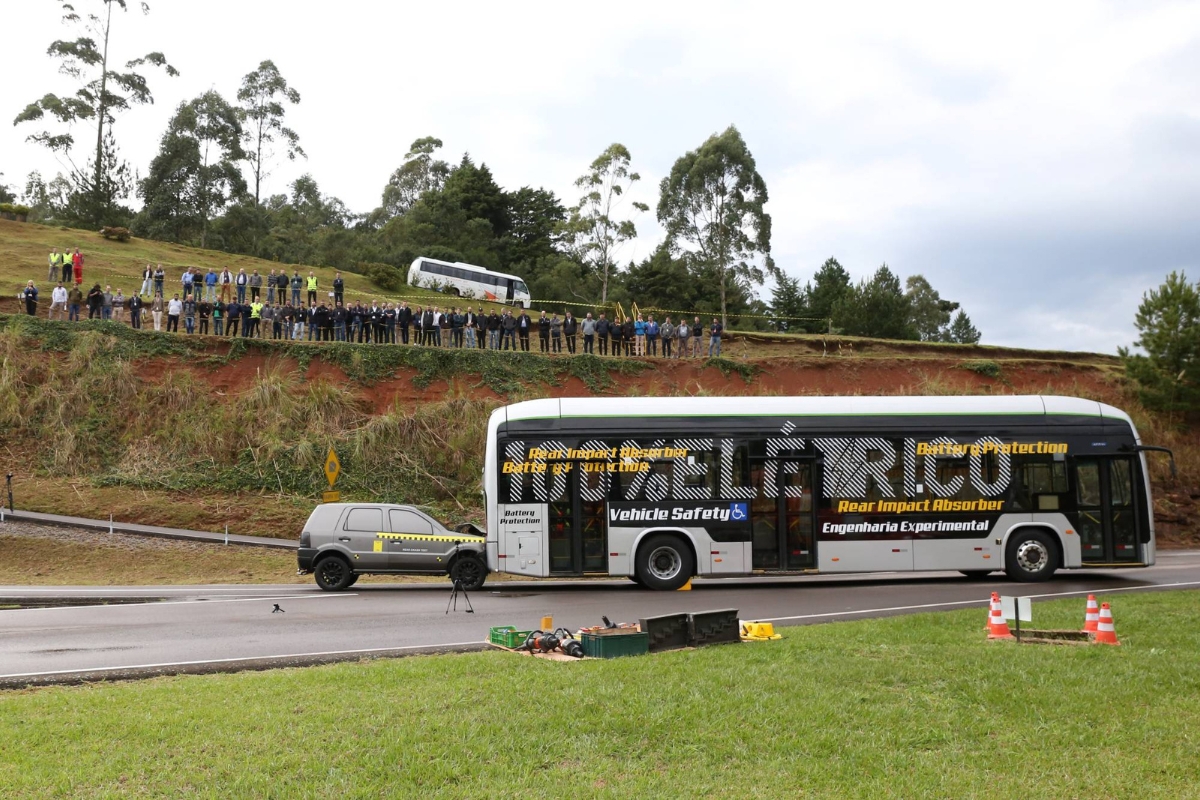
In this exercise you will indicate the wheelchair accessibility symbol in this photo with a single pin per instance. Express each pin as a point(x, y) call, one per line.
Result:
point(737, 512)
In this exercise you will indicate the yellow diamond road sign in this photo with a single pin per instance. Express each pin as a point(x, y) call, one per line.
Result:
point(333, 467)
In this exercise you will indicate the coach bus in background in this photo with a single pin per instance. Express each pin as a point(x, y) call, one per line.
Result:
point(469, 281)
point(664, 489)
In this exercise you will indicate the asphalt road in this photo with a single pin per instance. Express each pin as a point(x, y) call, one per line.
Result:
point(168, 630)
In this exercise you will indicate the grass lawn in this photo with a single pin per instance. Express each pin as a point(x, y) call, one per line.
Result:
point(914, 706)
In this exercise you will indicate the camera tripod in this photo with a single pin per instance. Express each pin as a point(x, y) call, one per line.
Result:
point(458, 587)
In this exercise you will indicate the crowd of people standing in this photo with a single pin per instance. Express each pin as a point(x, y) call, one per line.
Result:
point(257, 306)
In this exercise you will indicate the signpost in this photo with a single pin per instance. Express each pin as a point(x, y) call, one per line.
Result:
point(1018, 609)
point(333, 468)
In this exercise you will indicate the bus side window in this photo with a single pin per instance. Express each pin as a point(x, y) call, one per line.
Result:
point(1039, 483)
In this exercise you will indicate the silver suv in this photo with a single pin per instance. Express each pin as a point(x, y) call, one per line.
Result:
point(344, 540)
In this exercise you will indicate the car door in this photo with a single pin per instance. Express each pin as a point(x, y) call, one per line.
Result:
point(359, 535)
point(413, 545)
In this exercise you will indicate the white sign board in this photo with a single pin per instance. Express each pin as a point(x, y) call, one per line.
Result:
point(1016, 608)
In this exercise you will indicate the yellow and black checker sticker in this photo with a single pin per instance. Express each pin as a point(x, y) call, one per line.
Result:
point(429, 537)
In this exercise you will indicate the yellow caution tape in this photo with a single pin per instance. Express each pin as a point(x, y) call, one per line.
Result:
point(427, 537)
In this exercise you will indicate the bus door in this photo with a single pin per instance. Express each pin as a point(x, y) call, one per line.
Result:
point(1106, 517)
point(508, 290)
point(782, 514)
point(576, 529)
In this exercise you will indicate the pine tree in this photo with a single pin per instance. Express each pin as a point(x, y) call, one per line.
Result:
point(788, 300)
point(1168, 375)
point(962, 331)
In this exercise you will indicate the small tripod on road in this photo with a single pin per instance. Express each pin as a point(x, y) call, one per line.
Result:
point(458, 587)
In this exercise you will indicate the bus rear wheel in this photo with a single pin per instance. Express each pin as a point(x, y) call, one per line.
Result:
point(1031, 557)
point(664, 562)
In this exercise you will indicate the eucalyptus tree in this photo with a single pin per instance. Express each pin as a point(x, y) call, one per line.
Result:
point(712, 204)
point(261, 110)
point(592, 229)
point(101, 93)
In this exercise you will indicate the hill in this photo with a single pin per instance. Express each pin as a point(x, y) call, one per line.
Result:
point(200, 432)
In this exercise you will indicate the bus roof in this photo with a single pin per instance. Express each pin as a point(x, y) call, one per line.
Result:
point(641, 407)
point(465, 265)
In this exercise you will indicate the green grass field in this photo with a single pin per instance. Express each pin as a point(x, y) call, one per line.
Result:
point(918, 706)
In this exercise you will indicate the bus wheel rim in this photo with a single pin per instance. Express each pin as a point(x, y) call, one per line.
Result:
point(1031, 556)
point(665, 563)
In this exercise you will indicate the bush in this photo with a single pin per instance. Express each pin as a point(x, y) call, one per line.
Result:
point(6, 210)
point(120, 234)
point(21, 211)
point(988, 369)
point(385, 276)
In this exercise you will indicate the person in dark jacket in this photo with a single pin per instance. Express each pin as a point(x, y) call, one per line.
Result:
point(204, 311)
point(340, 315)
point(524, 325)
point(427, 322)
point(404, 318)
point(389, 323)
point(30, 295)
point(602, 330)
point(543, 324)
point(508, 331)
point(494, 325)
point(339, 289)
point(627, 334)
point(618, 335)
point(135, 311)
point(570, 329)
point(233, 317)
point(95, 301)
point(480, 328)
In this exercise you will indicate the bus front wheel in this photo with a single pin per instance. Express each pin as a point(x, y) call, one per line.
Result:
point(1031, 556)
point(664, 562)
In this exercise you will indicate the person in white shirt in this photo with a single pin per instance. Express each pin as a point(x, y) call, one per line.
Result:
point(147, 278)
point(174, 309)
point(58, 302)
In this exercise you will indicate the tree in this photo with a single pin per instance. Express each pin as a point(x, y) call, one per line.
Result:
point(713, 201)
point(262, 95)
point(101, 94)
point(1168, 321)
point(46, 201)
point(594, 234)
point(788, 300)
point(829, 286)
point(962, 331)
point(195, 174)
point(6, 195)
point(535, 217)
point(929, 314)
point(420, 173)
point(877, 307)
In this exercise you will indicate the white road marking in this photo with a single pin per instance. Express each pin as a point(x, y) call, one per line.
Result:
point(157, 603)
point(975, 602)
point(237, 659)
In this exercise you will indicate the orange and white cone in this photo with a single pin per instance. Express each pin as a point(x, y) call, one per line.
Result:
point(997, 625)
point(1091, 619)
point(1106, 632)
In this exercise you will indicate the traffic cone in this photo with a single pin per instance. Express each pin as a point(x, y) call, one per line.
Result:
point(1091, 619)
point(1106, 632)
point(997, 625)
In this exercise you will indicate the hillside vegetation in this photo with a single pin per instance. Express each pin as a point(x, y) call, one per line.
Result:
point(202, 432)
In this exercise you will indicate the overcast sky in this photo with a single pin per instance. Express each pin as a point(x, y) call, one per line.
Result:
point(1039, 163)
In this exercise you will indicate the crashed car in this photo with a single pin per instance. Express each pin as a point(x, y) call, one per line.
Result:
point(341, 541)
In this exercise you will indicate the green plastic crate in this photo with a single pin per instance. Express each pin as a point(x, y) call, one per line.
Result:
point(615, 645)
point(508, 636)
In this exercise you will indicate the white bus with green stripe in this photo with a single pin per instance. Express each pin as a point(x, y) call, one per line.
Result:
point(665, 489)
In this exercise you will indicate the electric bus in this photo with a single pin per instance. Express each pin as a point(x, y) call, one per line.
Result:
point(469, 281)
point(665, 489)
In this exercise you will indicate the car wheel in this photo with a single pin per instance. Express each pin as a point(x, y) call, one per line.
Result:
point(1031, 557)
point(333, 573)
point(976, 574)
point(470, 571)
point(664, 562)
